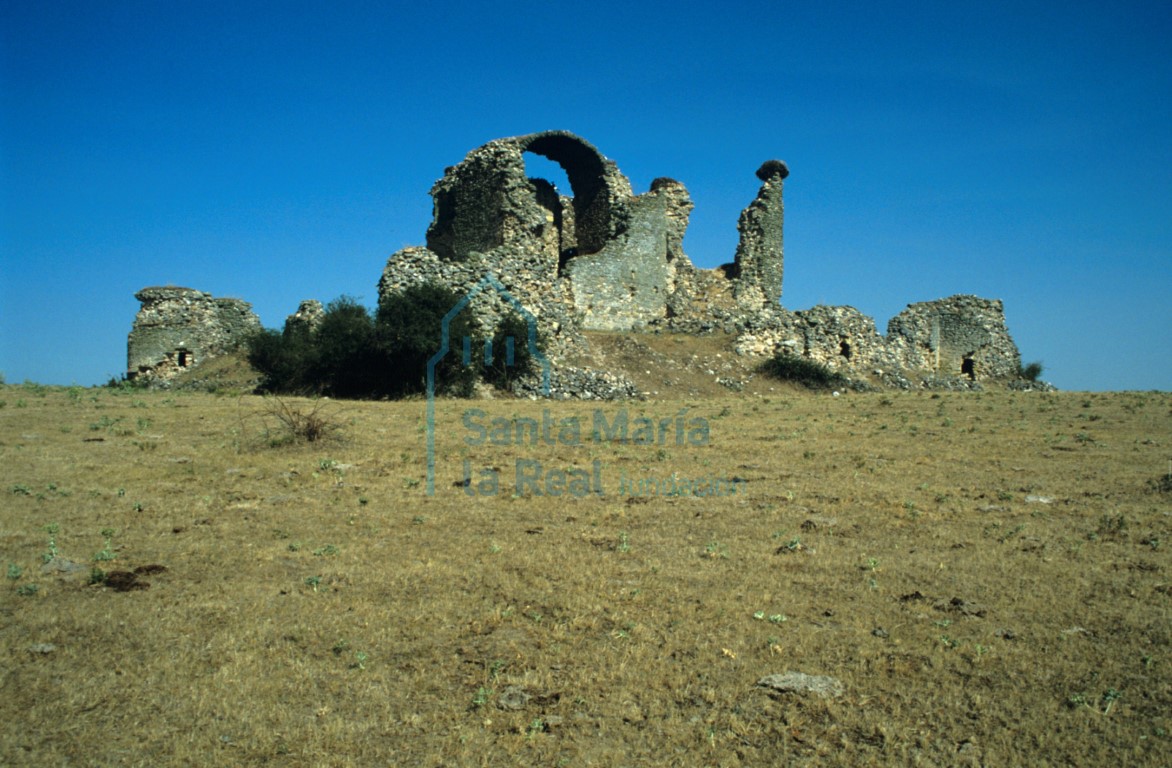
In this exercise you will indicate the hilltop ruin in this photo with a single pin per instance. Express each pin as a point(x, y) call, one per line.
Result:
point(177, 329)
point(604, 258)
point(599, 257)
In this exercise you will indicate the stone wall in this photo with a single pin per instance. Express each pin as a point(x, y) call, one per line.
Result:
point(179, 328)
point(601, 259)
point(306, 319)
point(960, 337)
point(758, 263)
point(607, 259)
point(625, 284)
point(604, 258)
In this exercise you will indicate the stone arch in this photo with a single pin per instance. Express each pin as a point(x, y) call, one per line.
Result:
point(586, 170)
point(487, 200)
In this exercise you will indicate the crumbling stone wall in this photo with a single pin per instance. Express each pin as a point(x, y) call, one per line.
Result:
point(306, 319)
point(607, 259)
point(180, 328)
point(601, 259)
point(842, 338)
point(604, 258)
point(959, 336)
point(488, 200)
point(758, 264)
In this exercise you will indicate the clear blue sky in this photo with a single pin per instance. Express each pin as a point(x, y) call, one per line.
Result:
point(282, 151)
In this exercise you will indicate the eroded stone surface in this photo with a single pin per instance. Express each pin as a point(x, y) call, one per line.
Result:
point(800, 682)
point(306, 319)
point(179, 328)
point(600, 257)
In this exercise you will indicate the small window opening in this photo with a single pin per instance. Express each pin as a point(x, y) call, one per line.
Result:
point(968, 367)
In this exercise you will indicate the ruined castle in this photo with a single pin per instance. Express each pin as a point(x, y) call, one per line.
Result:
point(602, 258)
point(178, 328)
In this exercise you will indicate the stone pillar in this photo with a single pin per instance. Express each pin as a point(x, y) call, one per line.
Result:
point(758, 265)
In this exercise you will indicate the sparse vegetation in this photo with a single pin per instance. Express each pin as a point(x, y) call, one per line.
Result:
point(800, 370)
point(354, 354)
point(309, 422)
point(307, 627)
point(51, 550)
point(1031, 371)
point(107, 552)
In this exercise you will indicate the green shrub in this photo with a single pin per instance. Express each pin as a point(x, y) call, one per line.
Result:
point(344, 359)
point(353, 354)
point(410, 331)
point(283, 361)
point(800, 370)
point(500, 374)
point(339, 357)
point(1031, 372)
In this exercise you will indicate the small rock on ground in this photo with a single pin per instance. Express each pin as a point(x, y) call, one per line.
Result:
point(799, 682)
point(513, 698)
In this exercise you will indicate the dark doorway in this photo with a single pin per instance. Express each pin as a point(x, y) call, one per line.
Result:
point(844, 349)
point(183, 358)
point(969, 368)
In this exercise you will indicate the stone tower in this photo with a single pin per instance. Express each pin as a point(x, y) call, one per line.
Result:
point(179, 328)
point(759, 259)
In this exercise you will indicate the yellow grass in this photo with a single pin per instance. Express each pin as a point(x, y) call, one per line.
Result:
point(987, 574)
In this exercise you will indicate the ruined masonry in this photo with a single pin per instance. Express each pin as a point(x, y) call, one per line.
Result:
point(600, 257)
point(604, 258)
point(179, 328)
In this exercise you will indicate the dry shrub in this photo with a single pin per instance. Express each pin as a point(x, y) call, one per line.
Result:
point(283, 421)
point(304, 424)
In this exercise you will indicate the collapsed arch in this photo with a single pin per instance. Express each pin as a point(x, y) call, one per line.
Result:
point(587, 172)
point(488, 200)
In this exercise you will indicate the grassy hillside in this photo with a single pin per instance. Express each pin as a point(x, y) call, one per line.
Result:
point(986, 575)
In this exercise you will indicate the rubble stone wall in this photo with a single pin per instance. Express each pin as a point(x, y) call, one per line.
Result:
point(609, 260)
point(178, 328)
point(604, 258)
point(959, 336)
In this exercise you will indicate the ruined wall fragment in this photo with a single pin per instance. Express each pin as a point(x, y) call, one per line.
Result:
point(841, 338)
point(625, 284)
point(179, 328)
point(306, 319)
point(758, 263)
point(601, 259)
point(961, 335)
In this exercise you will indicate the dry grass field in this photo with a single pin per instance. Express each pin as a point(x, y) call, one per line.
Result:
point(987, 575)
